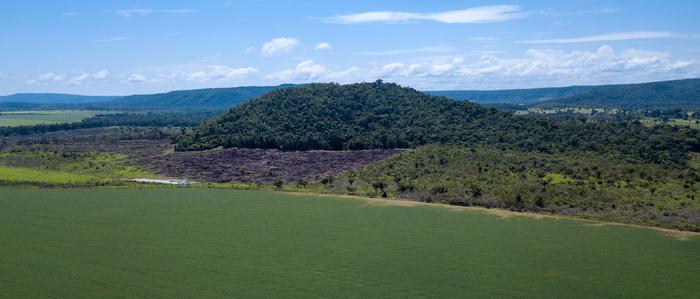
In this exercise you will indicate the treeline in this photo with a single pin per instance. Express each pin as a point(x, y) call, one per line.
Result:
point(111, 120)
point(383, 115)
point(591, 185)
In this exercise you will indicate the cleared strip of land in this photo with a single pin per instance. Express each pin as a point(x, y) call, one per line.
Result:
point(173, 242)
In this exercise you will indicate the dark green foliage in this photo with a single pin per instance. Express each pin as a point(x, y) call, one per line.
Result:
point(121, 119)
point(382, 115)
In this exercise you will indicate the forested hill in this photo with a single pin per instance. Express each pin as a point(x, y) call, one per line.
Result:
point(678, 94)
point(386, 115)
point(213, 99)
point(513, 96)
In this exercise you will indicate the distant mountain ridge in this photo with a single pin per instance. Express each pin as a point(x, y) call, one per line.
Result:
point(674, 94)
point(54, 98)
point(211, 99)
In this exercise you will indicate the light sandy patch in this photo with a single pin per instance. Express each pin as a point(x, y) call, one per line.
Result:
point(502, 214)
point(676, 234)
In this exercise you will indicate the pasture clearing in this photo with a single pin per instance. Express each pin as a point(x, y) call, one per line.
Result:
point(191, 242)
point(37, 117)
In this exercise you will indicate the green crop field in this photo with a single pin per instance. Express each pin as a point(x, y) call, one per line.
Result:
point(30, 118)
point(176, 242)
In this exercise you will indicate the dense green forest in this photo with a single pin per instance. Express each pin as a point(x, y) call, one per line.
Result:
point(385, 115)
point(120, 119)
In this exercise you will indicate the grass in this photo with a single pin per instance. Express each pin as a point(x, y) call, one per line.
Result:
point(30, 118)
point(25, 175)
point(47, 167)
point(173, 242)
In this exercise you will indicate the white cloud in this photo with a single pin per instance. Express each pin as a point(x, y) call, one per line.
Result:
point(480, 14)
point(542, 68)
point(78, 79)
point(51, 77)
point(113, 39)
point(309, 71)
point(129, 13)
point(615, 36)
point(102, 74)
point(438, 49)
point(279, 45)
point(219, 73)
point(323, 46)
point(136, 78)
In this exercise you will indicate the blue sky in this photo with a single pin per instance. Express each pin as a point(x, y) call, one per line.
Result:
point(127, 47)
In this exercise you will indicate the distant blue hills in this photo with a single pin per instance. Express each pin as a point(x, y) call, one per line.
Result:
point(676, 94)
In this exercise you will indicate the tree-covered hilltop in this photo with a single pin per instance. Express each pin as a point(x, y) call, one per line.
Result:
point(385, 115)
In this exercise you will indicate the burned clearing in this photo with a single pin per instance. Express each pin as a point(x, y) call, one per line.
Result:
point(151, 150)
point(263, 165)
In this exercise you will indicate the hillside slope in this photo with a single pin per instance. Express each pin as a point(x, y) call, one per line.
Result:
point(513, 96)
point(195, 100)
point(385, 115)
point(678, 94)
point(675, 94)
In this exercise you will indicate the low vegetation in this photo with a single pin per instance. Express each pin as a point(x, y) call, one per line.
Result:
point(168, 242)
point(43, 117)
point(54, 168)
point(586, 185)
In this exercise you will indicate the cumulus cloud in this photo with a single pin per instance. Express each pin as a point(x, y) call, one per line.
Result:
point(323, 46)
point(51, 77)
point(279, 45)
point(219, 73)
point(102, 74)
point(79, 78)
point(310, 71)
point(615, 36)
point(136, 78)
point(480, 14)
point(188, 73)
point(543, 68)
